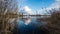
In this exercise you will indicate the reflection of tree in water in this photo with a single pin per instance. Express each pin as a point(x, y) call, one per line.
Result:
point(8, 16)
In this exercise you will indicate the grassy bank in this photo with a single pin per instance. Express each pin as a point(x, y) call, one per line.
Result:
point(53, 23)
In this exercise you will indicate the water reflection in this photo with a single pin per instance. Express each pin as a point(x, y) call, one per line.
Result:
point(28, 25)
point(27, 21)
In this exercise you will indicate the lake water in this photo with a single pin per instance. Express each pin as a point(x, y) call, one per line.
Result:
point(29, 25)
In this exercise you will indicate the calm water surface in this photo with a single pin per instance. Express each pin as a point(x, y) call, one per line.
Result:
point(29, 25)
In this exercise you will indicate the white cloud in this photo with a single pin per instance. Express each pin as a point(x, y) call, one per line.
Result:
point(57, 0)
point(27, 9)
point(56, 4)
point(44, 11)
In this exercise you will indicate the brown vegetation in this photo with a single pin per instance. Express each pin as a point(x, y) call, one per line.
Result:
point(53, 24)
point(8, 16)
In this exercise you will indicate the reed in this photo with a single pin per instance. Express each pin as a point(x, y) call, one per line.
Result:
point(53, 24)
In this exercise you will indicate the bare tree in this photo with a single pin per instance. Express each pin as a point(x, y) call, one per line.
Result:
point(8, 16)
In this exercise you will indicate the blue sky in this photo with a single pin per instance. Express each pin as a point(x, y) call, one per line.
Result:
point(32, 5)
point(37, 4)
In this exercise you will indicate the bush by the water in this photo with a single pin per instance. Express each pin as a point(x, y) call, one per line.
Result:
point(53, 24)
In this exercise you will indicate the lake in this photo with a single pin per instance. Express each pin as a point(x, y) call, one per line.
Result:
point(29, 25)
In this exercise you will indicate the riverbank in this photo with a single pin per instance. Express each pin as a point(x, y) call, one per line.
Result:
point(53, 23)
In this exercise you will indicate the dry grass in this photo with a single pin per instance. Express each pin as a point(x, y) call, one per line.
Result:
point(8, 16)
point(6, 26)
point(53, 26)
